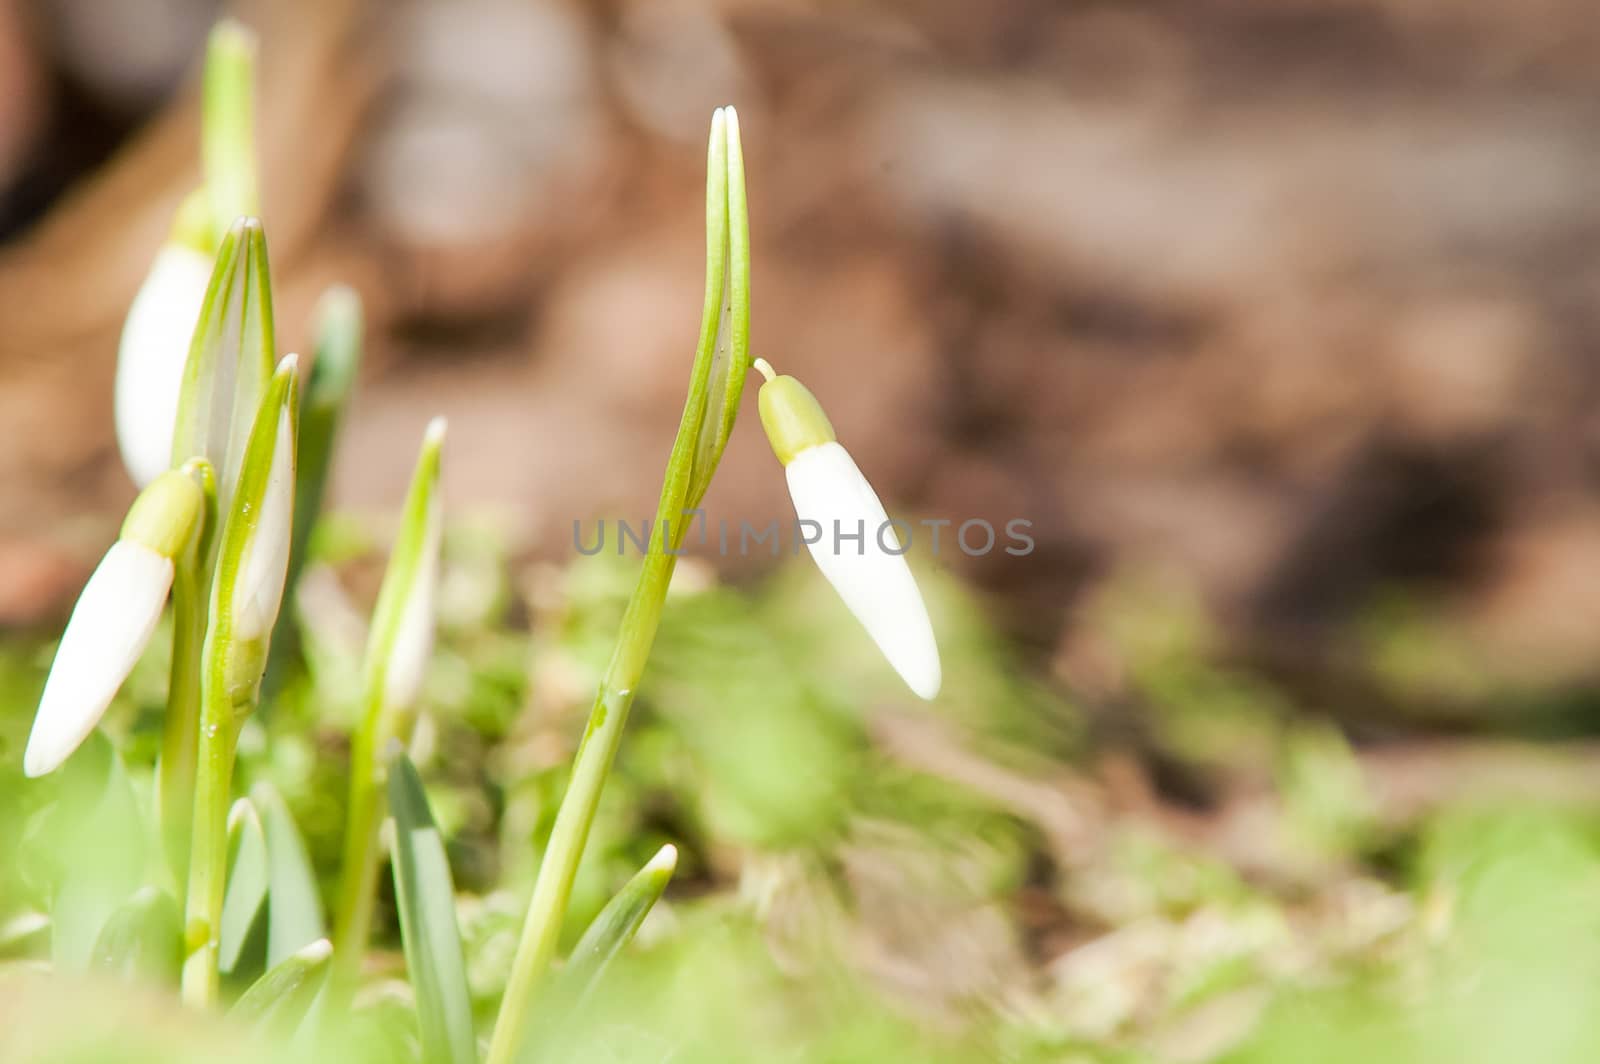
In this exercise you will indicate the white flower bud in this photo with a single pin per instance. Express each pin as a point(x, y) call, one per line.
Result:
point(854, 541)
point(151, 358)
point(259, 590)
point(109, 629)
point(413, 640)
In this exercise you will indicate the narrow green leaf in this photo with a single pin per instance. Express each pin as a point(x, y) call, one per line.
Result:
point(294, 912)
point(143, 940)
point(426, 899)
point(280, 999)
point(616, 925)
point(227, 123)
point(243, 908)
point(230, 359)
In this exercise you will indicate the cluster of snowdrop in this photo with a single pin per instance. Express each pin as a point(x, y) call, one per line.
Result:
point(211, 427)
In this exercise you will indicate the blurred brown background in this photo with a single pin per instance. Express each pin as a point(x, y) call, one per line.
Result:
point(1292, 302)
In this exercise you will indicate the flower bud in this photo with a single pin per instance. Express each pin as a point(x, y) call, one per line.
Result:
point(265, 561)
point(114, 619)
point(155, 345)
point(828, 488)
point(412, 643)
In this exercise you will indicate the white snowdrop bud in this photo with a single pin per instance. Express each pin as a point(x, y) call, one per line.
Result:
point(412, 644)
point(113, 620)
point(265, 564)
point(828, 488)
point(155, 346)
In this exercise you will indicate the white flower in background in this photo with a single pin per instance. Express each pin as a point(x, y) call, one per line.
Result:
point(113, 620)
point(870, 573)
point(155, 344)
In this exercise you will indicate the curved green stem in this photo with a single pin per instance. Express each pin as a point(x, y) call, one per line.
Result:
point(553, 888)
point(708, 412)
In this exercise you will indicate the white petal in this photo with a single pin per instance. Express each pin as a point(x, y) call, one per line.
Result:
point(413, 642)
point(259, 592)
point(151, 357)
point(109, 628)
point(876, 584)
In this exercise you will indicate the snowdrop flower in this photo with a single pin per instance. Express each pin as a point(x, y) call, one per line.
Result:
point(155, 344)
point(114, 617)
point(855, 546)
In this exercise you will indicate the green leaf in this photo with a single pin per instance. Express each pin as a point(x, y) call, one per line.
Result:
point(91, 845)
point(227, 123)
point(616, 925)
point(143, 940)
point(230, 359)
point(426, 899)
point(243, 906)
point(294, 912)
point(280, 999)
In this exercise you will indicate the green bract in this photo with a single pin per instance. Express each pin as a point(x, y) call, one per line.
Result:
point(230, 358)
point(723, 353)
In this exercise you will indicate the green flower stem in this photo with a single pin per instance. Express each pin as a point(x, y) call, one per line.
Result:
point(227, 124)
point(553, 888)
point(232, 660)
point(181, 729)
point(208, 860)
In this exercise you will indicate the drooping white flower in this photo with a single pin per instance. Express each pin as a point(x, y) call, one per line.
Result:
point(852, 539)
point(155, 347)
point(113, 620)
